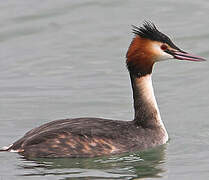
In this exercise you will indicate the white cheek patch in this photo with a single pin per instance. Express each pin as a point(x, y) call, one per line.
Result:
point(161, 55)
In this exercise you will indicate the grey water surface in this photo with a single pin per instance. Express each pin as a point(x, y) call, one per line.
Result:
point(65, 59)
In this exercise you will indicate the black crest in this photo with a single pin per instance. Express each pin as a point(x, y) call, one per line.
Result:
point(149, 31)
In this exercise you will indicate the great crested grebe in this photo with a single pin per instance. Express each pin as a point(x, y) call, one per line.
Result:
point(89, 137)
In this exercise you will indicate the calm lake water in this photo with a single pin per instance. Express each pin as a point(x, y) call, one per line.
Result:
point(61, 59)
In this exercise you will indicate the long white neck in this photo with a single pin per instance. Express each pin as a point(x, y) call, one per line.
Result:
point(146, 110)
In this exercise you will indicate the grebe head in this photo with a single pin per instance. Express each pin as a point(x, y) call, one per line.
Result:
point(150, 46)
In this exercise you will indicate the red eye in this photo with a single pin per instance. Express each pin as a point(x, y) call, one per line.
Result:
point(164, 47)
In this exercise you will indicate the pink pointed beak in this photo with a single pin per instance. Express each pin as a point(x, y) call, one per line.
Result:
point(186, 56)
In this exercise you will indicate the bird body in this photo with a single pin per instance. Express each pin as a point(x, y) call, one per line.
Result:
point(89, 137)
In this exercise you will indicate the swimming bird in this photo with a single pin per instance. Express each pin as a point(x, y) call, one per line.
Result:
point(90, 137)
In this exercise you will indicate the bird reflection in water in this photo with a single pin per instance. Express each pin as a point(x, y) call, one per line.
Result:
point(135, 165)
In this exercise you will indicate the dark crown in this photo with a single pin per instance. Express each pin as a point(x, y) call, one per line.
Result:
point(149, 31)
